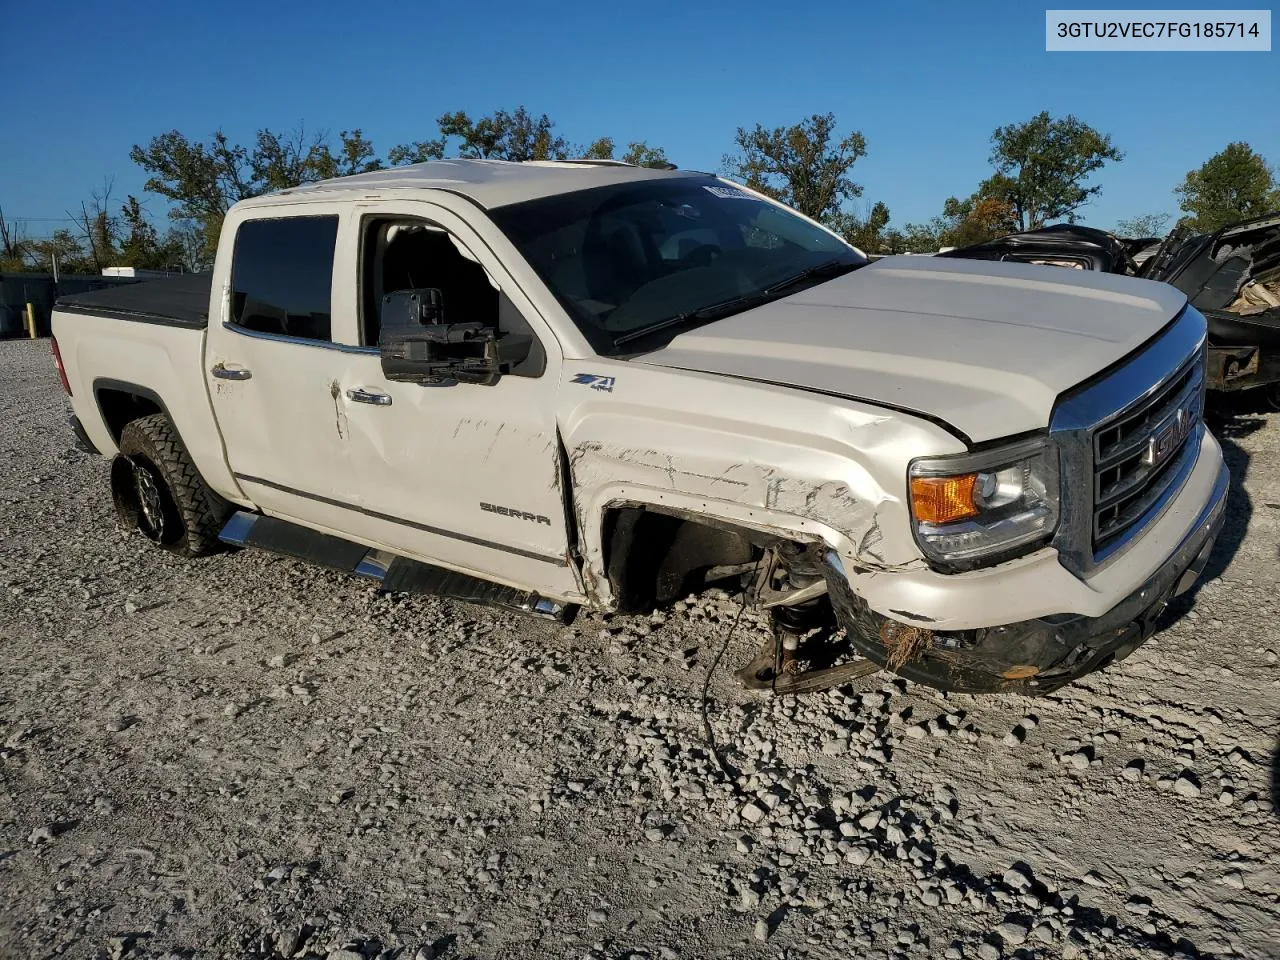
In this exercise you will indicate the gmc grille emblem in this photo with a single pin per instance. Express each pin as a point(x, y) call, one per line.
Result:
point(1166, 441)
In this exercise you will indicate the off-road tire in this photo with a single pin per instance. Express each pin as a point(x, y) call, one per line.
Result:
point(194, 513)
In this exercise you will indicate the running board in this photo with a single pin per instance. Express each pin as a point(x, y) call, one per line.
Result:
point(394, 573)
point(292, 540)
point(413, 576)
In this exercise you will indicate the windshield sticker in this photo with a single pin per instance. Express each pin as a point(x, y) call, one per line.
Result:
point(729, 193)
point(594, 381)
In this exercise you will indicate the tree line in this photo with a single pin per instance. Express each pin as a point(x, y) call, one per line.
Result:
point(1041, 172)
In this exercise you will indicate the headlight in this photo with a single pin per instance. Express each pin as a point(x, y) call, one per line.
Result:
point(978, 507)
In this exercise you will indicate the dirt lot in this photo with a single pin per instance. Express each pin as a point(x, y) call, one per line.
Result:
point(249, 757)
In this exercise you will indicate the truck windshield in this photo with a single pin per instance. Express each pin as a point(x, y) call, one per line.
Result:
point(637, 263)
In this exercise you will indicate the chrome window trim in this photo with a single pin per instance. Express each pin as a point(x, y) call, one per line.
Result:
point(1081, 413)
point(301, 341)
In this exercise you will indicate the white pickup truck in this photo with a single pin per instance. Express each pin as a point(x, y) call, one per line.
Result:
point(572, 384)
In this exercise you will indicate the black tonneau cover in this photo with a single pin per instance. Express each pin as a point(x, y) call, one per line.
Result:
point(181, 301)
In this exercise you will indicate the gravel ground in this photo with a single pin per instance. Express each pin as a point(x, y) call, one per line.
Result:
point(250, 757)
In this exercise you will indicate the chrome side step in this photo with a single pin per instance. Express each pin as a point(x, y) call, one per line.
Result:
point(413, 576)
point(280, 536)
point(395, 574)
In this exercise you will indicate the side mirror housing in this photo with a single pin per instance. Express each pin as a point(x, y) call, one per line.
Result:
point(417, 346)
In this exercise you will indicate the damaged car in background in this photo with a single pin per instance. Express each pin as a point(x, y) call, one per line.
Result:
point(563, 385)
point(1231, 276)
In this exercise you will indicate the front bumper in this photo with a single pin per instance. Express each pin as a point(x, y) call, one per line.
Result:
point(1032, 656)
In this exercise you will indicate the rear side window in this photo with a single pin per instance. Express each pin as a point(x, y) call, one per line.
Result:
point(281, 276)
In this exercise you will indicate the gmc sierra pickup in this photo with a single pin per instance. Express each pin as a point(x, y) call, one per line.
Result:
point(564, 384)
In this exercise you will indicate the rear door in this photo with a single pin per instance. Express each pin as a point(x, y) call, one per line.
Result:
point(276, 364)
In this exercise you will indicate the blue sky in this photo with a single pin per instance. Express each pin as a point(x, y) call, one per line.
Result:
point(925, 82)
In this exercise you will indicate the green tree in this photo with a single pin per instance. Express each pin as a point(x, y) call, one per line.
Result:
point(987, 214)
point(278, 162)
point(187, 236)
point(141, 245)
point(14, 247)
point(799, 165)
point(203, 180)
point(643, 155)
point(1144, 225)
point(638, 153)
point(63, 248)
point(601, 149)
point(916, 238)
point(355, 154)
point(867, 233)
point(1235, 184)
point(504, 136)
point(514, 135)
point(98, 230)
point(1045, 164)
point(419, 151)
point(984, 215)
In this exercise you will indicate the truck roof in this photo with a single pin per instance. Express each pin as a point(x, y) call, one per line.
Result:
point(490, 183)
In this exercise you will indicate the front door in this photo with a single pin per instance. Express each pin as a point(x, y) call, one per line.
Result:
point(463, 474)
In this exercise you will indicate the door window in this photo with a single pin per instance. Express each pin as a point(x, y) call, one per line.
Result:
point(282, 275)
point(410, 254)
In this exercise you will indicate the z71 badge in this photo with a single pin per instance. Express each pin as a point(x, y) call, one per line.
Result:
point(594, 381)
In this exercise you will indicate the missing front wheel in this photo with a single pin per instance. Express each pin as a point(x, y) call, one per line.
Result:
point(806, 646)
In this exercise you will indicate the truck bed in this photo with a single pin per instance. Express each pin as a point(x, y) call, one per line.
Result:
point(144, 340)
point(181, 301)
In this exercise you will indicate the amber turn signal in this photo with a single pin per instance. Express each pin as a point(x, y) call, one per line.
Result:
point(943, 499)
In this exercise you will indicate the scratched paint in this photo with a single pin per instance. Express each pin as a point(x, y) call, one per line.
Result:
point(795, 507)
point(335, 391)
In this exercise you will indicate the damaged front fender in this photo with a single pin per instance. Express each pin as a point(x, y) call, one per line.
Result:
point(786, 463)
point(748, 497)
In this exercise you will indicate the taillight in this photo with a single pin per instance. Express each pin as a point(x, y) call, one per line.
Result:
point(57, 362)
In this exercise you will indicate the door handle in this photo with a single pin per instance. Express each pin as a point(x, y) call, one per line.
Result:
point(361, 395)
point(223, 372)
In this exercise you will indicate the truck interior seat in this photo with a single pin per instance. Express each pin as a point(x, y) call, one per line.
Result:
point(617, 266)
point(428, 258)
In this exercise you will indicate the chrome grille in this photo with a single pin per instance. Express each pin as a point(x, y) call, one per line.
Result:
point(1113, 489)
point(1137, 455)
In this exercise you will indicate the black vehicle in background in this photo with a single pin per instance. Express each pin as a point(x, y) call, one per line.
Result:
point(1061, 245)
point(1231, 276)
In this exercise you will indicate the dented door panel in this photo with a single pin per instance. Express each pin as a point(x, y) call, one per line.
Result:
point(471, 473)
point(288, 439)
point(277, 393)
point(464, 475)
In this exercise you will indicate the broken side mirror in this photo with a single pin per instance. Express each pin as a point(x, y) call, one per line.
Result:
point(417, 346)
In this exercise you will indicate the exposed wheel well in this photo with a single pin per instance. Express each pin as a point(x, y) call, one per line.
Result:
point(120, 407)
point(653, 557)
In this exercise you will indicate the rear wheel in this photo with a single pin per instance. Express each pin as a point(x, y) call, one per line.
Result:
point(159, 492)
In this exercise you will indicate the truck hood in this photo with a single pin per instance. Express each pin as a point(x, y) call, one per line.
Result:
point(985, 347)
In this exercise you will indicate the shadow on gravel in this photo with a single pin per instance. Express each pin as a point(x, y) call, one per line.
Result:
point(1229, 419)
point(1275, 780)
point(1097, 924)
